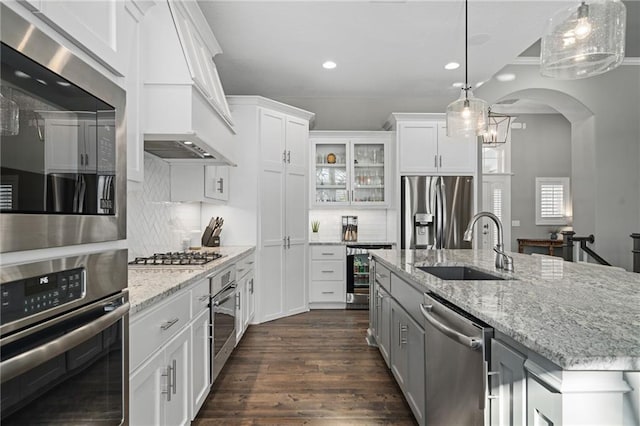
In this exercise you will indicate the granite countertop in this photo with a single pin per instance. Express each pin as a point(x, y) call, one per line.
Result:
point(579, 316)
point(149, 285)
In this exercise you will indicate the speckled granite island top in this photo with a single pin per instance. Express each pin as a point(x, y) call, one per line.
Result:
point(149, 285)
point(580, 317)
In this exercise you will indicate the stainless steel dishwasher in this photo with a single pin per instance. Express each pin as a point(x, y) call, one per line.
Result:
point(456, 357)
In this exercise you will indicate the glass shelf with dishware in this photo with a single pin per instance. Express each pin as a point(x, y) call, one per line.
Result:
point(349, 171)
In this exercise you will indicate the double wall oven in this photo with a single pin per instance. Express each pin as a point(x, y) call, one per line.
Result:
point(63, 312)
point(63, 147)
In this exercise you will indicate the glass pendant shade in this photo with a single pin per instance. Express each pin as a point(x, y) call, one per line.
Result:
point(9, 116)
point(584, 41)
point(467, 116)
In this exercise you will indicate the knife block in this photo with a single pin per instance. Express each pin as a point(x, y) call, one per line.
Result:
point(213, 242)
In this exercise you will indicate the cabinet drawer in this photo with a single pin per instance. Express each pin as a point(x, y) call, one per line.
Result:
point(407, 296)
point(383, 276)
point(328, 252)
point(327, 271)
point(156, 327)
point(200, 297)
point(245, 265)
point(327, 291)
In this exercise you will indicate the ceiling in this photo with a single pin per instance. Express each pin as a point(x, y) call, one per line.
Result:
point(383, 48)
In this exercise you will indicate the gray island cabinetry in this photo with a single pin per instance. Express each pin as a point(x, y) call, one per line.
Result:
point(566, 342)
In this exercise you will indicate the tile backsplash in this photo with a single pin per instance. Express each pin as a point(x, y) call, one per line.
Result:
point(153, 223)
point(373, 225)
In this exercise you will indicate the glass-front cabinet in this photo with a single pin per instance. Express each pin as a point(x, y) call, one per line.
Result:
point(348, 170)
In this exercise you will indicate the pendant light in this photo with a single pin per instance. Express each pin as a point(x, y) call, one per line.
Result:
point(584, 41)
point(468, 115)
point(497, 130)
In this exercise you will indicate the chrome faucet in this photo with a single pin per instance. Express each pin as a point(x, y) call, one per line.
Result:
point(503, 260)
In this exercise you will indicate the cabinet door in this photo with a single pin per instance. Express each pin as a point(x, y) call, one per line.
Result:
point(216, 182)
point(508, 386)
point(146, 387)
point(199, 361)
point(544, 406)
point(240, 307)
point(398, 344)
point(295, 299)
point(418, 143)
point(368, 173)
point(251, 301)
point(415, 386)
point(384, 325)
point(177, 410)
point(455, 154)
point(330, 180)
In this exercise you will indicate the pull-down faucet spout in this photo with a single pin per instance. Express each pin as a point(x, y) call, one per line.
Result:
point(503, 261)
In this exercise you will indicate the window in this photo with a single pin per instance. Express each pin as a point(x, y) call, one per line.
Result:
point(553, 197)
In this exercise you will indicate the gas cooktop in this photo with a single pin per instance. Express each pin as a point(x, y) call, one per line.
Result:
point(177, 259)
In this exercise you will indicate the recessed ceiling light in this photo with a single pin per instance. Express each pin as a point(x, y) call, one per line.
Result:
point(452, 66)
point(458, 84)
point(329, 65)
point(21, 74)
point(188, 143)
point(41, 81)
point(505, 77)
point(480, 83)
point(63, 83)
point(206, 154)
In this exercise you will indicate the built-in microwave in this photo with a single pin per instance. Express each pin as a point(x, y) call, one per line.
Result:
point(62, 143)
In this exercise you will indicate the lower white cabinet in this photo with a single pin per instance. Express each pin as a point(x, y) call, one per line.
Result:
point(241, 298)
point(327, 286)
point(250, 300)
point(245, 298)
point(544, 405)
point(160, 389)
point(200, 363)
point(508, 386)
point(383, 326)
point(407, 358)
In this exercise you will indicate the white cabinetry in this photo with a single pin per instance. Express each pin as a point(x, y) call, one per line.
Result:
point(169, 359)
point(245, 303)
point(279, 134)
point(350, 168)
point(425, 148)
point(160, 387)
point(209, 184)
point(508, 386)
point(327, 286)
point(383, 329)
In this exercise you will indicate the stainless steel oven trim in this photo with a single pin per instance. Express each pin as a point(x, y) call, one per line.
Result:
point(106, 274)
point(26, 231)
point(219, 359)
point(19, 364)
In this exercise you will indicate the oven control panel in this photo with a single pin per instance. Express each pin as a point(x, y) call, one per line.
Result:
point(29, 296)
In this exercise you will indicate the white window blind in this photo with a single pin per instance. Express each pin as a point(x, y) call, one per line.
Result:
point(497, 209)
point(552, 201)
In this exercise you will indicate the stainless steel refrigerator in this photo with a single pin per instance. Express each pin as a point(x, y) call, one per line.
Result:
point(435, 211)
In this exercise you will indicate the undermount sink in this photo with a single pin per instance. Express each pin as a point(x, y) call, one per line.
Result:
point(459, 273)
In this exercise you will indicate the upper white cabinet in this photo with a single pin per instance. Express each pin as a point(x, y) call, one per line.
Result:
point(350, 168)
point(209, 184)
point(425, 148)
point(94, 26)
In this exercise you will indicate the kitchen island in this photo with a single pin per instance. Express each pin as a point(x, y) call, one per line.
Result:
point(574, 327)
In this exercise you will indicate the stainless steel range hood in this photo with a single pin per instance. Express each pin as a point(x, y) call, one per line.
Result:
point(187, 118)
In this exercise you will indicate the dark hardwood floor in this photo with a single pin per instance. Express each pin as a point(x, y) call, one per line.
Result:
point(314, 368)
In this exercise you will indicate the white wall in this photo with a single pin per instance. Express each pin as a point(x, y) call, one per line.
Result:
point(605, 151)
point(541, 149)
point(155, 225)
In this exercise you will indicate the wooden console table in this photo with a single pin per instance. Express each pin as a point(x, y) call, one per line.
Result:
point(549, 244)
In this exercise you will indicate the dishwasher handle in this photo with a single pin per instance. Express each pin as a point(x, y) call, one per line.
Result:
point(468, 341)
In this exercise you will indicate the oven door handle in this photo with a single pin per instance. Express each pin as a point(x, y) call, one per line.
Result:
point(218, 302)
point(24, 362)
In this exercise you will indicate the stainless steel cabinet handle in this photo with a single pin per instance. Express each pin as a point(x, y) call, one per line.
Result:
point(221, 187)
point(240, 269)
point(448, 331)
point(328, 272)
point(284, 242)
point(168, 374)
point(435, 161)
point(173, 376)
point(203, 298)
point(19, 364)
point(251, 286)
point(251, 262)
point(403, 337)
point(284, 156)
point(289, 157)
point(238, 301)
point(328, 254)
point(288, 242)
point(328, 292)
point(440, 160)
point(380, 276)
point(167, 325)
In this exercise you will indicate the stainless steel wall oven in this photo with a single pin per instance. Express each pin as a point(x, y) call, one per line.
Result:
point(64, 344)
point(223, 319)
point(62, 142)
